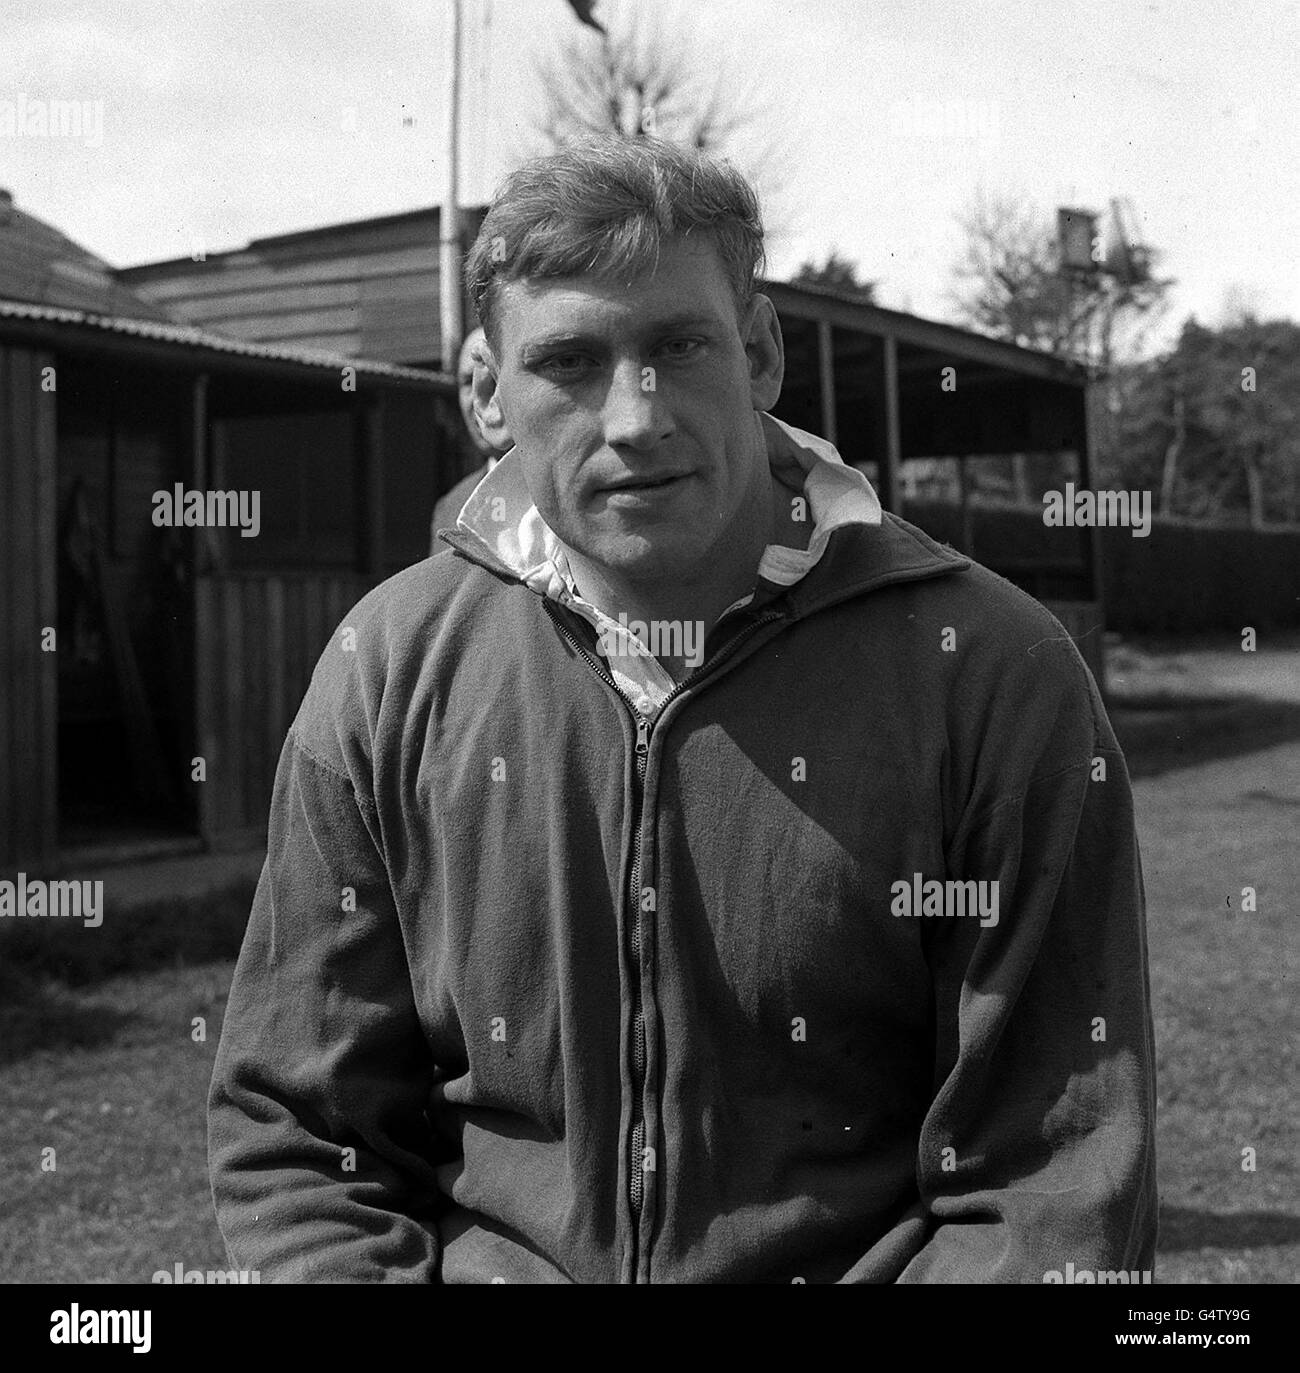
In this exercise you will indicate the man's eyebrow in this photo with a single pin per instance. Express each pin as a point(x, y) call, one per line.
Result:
point(547, 343)
point(689, 320)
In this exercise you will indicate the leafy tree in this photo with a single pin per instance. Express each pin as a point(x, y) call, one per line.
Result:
point(1213, 425)
point(838, 273)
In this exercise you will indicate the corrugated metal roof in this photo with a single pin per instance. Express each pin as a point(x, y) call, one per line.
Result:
point(40, 264)
point(186, 336)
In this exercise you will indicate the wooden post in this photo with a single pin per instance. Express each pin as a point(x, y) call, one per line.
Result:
point(967, 523)
point(889, 445)
point(1092, 550)
point(205, 557)
point(28, 606)
point(1092, 553)
point(368, 458)
point(207, 463)
point(199, 431)
point(826, 370)
point(449, 286)
point(45, 452)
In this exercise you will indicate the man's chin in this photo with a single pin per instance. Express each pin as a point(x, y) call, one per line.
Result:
point(663, 554)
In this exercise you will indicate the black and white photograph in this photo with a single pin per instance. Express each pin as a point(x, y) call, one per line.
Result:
point(649, 642)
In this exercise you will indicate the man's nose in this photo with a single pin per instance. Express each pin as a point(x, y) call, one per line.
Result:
point(635, 415)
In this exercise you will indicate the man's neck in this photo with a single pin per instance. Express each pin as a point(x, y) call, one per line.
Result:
point(699, 605)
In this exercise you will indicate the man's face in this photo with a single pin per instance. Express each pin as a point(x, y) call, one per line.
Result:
point(632, 405)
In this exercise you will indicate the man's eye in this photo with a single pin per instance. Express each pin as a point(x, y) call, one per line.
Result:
point(680, 347)
point(565, 364)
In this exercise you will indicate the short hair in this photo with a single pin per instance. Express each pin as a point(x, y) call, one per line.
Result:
point(603, 205)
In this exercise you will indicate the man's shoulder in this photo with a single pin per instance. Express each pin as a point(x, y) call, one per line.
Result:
point(986, 663)
point(392, 639)
point(419, 594)
point(960, 628)
point(1006, 621)
point(981, 607)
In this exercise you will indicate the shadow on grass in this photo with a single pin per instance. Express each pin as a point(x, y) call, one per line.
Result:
point(154, 935)
point(1182, 1228)
point(36, 1015)
point(1160, 732)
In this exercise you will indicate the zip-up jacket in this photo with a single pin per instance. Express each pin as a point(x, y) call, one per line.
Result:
point(447, 507)
point(828, 966)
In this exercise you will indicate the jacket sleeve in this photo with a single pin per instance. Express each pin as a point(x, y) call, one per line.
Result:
point(318, 1144)
point(1038, 1148)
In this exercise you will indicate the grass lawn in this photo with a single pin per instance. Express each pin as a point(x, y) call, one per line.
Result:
point(109, 1076)
point(1224, 994)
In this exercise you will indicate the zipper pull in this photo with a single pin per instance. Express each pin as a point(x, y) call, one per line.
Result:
point(642, 736)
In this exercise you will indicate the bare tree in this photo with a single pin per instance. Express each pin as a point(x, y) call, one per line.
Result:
point(1011, 285)
point(649, 73)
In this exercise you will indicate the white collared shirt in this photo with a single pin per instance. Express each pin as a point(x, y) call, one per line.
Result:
point(501, 514)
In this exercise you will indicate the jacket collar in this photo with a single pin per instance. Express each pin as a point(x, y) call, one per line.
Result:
point(853, 544)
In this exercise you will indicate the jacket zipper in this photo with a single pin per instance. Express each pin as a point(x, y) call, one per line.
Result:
point(636, 1172)
point(636, 1175)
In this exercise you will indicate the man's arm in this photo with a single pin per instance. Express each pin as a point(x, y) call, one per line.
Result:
point(318, 1145)
point(1038, 1148)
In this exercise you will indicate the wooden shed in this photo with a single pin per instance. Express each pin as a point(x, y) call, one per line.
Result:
point(149, 672)
point(365, 288)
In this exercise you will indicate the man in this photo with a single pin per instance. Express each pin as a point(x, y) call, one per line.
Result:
point(702, 876)
point(449, 506)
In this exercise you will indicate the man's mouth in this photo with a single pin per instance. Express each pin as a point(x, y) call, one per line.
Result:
point(646, 483)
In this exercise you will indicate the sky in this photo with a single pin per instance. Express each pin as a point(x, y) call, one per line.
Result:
point(206, 123)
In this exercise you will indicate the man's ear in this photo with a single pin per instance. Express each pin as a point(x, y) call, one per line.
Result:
point(487, 401)
point(765, 350)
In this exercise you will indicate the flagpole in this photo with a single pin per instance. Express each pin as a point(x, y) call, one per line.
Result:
point(449, 286)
